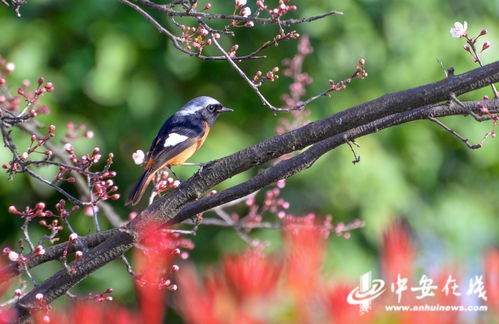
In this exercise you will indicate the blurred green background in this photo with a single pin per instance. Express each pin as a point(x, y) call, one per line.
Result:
point(114, 72)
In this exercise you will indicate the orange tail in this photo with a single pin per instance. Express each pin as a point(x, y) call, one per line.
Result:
point(140, 187)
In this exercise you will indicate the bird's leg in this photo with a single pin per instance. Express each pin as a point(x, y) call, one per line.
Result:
point(173, 172)
point(194, 163)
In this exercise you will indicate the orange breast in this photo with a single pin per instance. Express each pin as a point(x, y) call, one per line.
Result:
point(186, 154)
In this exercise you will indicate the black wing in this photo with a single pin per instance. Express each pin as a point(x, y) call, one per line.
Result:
point(192, 128)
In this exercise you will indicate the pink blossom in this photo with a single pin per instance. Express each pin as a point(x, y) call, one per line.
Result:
point(13, 256)
point(459, 30)
point(240, 3)
point(245, 12)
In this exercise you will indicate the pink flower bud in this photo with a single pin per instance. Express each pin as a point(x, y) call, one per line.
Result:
point(49, 86)
point(483, 32)
point(40, 205)
point(10, 67)
point(18, 292)
point(39, 297)
point(13, 210)
point(250, 24)
point(281, 183)
point(208, 6)
point(39, 250)
point(41, 80)
point(46, 318)
point(486, 45)
point(51, 128)
point(24, 156)
point(68, 147)
point(175, 268)
point(89, 134)
point(2, 81)
point(203, 32)
point(175, 184)
point(73, 237)
point(78, 255)
point(466, 47)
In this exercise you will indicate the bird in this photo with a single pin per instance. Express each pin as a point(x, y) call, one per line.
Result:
point(178, 139)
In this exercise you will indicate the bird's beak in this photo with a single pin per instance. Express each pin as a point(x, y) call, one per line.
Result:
point(225, 109)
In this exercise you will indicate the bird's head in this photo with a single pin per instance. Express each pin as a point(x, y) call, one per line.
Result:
point(204, 107)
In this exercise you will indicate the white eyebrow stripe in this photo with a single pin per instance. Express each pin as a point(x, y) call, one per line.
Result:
point(186, 112)
point(174, 139)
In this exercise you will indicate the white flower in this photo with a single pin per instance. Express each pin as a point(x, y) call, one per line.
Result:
point(245, 12)
point(10, 67)
point(13, 256)
point(138, 157)
point(459, 30)
point(240, 3)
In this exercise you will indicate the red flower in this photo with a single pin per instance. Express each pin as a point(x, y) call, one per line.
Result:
point(153, 263)
point(398, 252)
point(491, 271)
point(251, 274)
point(304, 258)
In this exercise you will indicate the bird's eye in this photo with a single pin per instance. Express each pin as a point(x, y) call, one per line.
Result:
point(212, 108)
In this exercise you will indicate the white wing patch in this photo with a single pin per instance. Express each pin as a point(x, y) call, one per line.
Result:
point(174, 139)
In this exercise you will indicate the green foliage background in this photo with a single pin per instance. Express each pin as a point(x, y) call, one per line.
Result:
point(114, 72)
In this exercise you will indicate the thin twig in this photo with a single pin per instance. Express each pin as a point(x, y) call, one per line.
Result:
point(356, 157)
point(177, 40)
point(456, 134)
point(197, 14)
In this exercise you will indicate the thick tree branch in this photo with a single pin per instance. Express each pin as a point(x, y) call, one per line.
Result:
point(165, 208)
point(289, 167)
point(324, 135)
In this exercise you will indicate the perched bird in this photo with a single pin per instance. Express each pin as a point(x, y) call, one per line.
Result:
point(178, 139)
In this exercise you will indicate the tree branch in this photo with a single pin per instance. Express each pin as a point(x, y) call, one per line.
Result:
point(323, 135)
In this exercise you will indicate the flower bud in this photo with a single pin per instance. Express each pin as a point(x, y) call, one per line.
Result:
point(39, 297)
point(13, 256)
point(78, 255)
point(485, 46)
point(10, 67)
